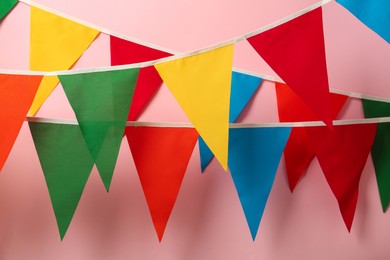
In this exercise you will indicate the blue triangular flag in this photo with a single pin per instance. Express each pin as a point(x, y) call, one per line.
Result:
point(375, 14)
point(242, 89)
point(254, 156)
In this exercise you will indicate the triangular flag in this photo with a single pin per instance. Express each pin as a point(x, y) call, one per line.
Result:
point(243, 87)
point(342, 154)
point(6, 6)
point(381, 149)
point(254, 155)
point(161, 156)
point(295, 50)
point(66, 164)
point(374, 13)
point(126, 52)
point(201, 85)
point(101, 101)
point(297, 154)
point(56, 43)
point(16, 95)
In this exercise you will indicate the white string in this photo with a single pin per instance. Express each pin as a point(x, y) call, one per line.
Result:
point(232, 125)
point(153, 62)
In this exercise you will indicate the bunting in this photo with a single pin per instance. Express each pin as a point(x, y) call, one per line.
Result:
point(375, 14)
point(297, 154)
point(161, 156)
point(201, 85)
point(101, 102)
point(126, 52)
point(243, 87)
point(381, 149)
point(66, 164)
point(6, 6)
point(342, 154)
point(295, 50)
point(56, 43)
point(253, 161)
point(16, 95)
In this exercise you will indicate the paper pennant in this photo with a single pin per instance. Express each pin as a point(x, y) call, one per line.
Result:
point(66, 164)
point(161, 156)
point(6, 6)
point(126, 52)
point(16, 95)
point(296, 52)
point(375, 14)
point(297, 154)
point(342, 154)
point(254, 155)
point(381, 149)
point(55, 44)
point(201, 85)
point(101, 102)
point(243, 87)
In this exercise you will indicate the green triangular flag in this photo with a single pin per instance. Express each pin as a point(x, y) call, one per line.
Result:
point(101, 102)
point(6, 6)
point(66, 164)
point(381, 149)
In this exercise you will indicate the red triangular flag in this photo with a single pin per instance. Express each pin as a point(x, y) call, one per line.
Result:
point(297, 153)
point(296, 52)
point(161, 156)
point(126, 52)
point(342, 154)
point(16, 95)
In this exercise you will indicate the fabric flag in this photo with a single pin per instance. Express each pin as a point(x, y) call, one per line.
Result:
point(66, 164)
point(126, 52)
point(16, 95)
point(101, 101)
point(375, 14)
point(381, 149)
point(55, 44)
point(342, 154)
point(296, 52)
point(243, 88)
point(297, 153)
point(201, 85)
point(254, 155)
point(6, 6)
point(161, 156)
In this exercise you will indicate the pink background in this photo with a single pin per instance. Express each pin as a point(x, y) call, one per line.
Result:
point(207, 221)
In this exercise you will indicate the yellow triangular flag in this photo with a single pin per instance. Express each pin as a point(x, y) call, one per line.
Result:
point(201, 85)
point(56, 43)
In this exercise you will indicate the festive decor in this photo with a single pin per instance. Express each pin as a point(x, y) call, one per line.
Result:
point(16, 95)
point(56, 43)
point(253, 160)
point(381, 149)
point(6, 6)
point(66, 163)
point(297, 154)
point(101, 102)
point(296, 52)
point(374, 13)
point(342, 154)
point(125, 52)
point(201, 85)
point(161, 157)
point(242, 89)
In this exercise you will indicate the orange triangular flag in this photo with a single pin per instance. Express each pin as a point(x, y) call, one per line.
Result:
point(16, 95)
point(161, 156)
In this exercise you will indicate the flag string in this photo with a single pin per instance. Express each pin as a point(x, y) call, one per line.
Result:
point(231, 125)
point(157, 61)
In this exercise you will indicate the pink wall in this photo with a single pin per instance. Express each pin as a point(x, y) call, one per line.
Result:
point(207, 221)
